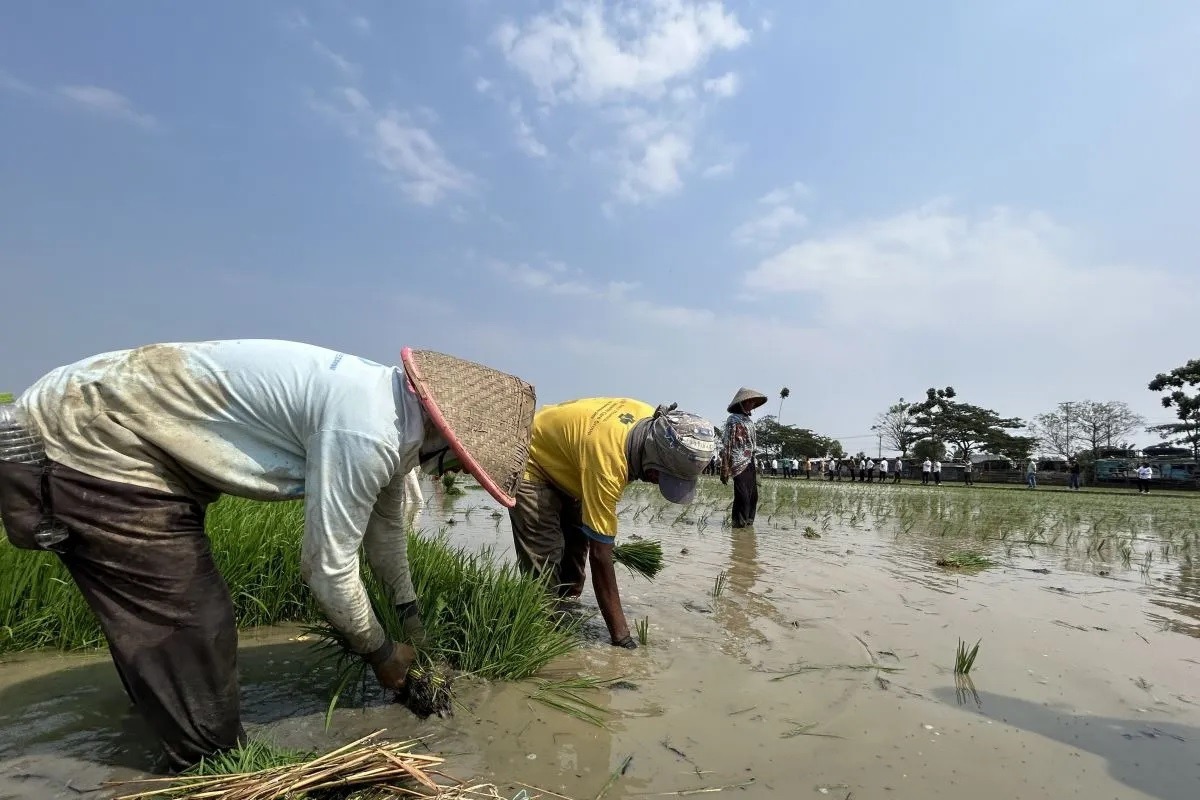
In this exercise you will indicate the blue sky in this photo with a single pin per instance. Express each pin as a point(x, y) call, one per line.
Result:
point(664, 199)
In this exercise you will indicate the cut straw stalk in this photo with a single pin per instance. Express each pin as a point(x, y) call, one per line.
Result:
point(644, 557)
point(388, 767)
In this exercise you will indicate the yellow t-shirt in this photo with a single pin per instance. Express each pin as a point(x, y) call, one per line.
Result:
point(579, 447)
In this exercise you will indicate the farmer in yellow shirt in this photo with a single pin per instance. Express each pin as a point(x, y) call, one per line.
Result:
point(582, 455)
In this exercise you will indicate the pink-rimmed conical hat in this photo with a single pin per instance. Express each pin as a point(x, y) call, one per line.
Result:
point(485, 416)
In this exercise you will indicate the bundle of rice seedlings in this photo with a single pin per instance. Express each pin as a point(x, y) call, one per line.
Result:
point(367, 767)
point(643, 557)
point(429, 689)
point(480, 616)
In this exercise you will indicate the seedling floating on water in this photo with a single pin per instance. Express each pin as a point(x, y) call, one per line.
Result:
point(964, 659)
point(966, 559)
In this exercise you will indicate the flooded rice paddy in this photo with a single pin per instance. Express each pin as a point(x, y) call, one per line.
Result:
point(809, 656)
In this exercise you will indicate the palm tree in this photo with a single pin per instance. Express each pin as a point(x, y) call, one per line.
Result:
point(784, 393)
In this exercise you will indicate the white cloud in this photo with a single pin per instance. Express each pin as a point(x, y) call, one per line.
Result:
point(556, 279)
point(724, 86)
point(11, 83)
point(718, 170)
point(361, 24)
point(579, 53)
point(1008, 270)
point(653, 165)
point(340, 62)
point(766, 24)
point(769, 227)
point(634, 66)
point(526, 137)
point(483, 85)
point(107, 102)
point(795, 191)
point(780, 218)
point(398, 142)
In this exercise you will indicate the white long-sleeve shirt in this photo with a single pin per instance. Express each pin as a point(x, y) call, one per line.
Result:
point(261, 419)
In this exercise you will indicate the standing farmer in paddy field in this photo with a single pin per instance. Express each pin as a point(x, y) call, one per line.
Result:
point(111, 462)
point(737, 455)
point(582, 455)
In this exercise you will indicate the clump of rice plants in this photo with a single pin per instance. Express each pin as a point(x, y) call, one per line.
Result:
point(965, 560)
point(450, 484)
point(644, 557)
point(964, 659)
point(255, 755)
point(480, 617)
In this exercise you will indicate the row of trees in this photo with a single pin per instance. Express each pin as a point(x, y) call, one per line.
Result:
point(942, 425)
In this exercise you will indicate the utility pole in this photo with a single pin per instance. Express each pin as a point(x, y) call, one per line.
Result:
point(1067, 425)
point(880, 446)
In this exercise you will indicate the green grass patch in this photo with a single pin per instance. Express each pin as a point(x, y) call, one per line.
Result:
point(480, 615)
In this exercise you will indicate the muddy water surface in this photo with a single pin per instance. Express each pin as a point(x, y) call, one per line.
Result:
point(823, 669)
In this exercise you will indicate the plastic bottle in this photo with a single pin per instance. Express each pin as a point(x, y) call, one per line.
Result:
point(21, 443)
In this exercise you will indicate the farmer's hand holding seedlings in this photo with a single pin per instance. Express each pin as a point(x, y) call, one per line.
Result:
point(391, 664)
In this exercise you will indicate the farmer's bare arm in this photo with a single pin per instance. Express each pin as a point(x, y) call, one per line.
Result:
point(608, 596)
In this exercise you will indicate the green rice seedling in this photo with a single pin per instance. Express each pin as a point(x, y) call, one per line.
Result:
point(255, 755)
point(450, 484)
point(719, 585)
point(643, 631)
point(565, 695)
point(964, 659)
point(965, 560)
point(644, 557)
point(480, 616)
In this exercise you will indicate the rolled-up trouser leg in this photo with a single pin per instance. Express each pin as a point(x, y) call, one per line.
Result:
point(537, 532)
point(143, 563)
point(572, 570)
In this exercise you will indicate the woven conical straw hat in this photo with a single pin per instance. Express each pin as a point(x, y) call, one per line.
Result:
point(744, 394)
point(485, 415)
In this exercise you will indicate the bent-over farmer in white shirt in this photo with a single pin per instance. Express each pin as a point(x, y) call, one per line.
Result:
point(137, 443)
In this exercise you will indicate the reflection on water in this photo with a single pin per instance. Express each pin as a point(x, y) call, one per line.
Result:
point(1180, 593)
point(1072, 575)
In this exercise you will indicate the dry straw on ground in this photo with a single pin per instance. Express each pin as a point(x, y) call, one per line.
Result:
point(368, 768)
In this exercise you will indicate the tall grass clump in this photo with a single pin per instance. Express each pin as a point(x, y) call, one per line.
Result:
point(480, 615)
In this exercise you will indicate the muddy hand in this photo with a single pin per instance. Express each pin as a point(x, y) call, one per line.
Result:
point(391, 670)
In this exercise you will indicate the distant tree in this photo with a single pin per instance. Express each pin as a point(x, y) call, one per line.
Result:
point(1107, 424)
point(1055, 433)
point(969, 428)
point(790, 441)
point(784, 394)
point(897, 426)
point(928, 448)
point(1014, 447)
point(1187, 406)
point(6, 397)
point(1085, 424)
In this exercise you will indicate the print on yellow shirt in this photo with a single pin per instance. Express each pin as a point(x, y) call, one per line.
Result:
point(579, 447)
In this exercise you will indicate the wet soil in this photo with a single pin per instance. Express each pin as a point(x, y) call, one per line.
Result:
point(823, 669)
